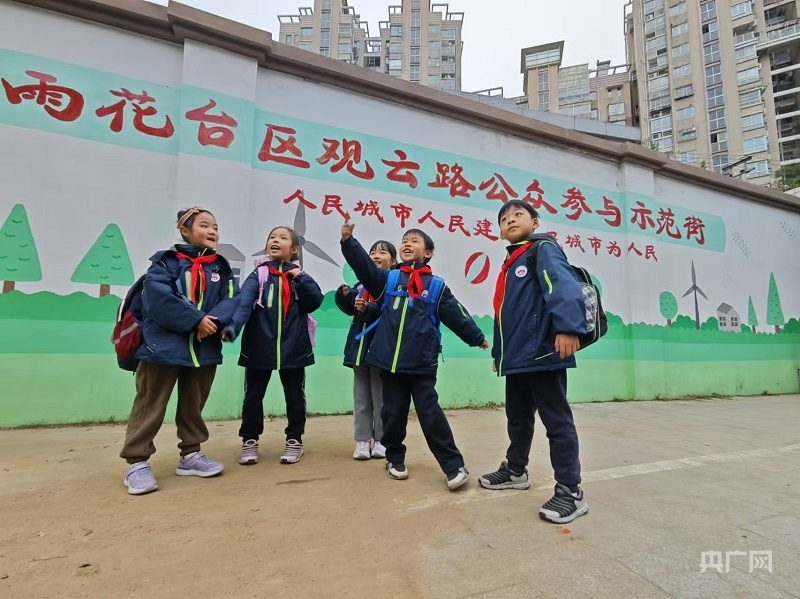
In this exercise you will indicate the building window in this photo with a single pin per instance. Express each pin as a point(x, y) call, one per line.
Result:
point(719, 141)
point(433, 79)
point(434, 29)
point(683, 92)
point(688, 157)
point(306, 31)
point(414, 55)
point(685, 113)
point(345, 30)
point(543, 80)
point(415, 18)
point(756, 144)
point(434, 45)
point(710, 32)
point(664, 144)
point(434, 61)
point(372, 61)
point(750, 98)
point(723, 321)
point(718, 162)
point(681, 50)
point(415, 37)
point(415, 4)
point(759, 168)
point(753, 121)
point(345, 48)
point(748, 76)
point(711, 53)
point(325, 51)
point(326, 18)
point(734, 321)
point(395, 47)
point(325, 38)
point(746, 53)
point(716, 119)
point(677, 10)
point(716, 96)
point(708, 11)
point(661, 124)
point(616, 110)
point(742, 9)
point(653, 5)
point(306, 46)
point(396, 30)
point(687, 134)
point(395, 64)
point(449, 34)
point(656, 44)
point(713, 75)
point(657, 84)
point(414, 72)
point(287, 39)
point(655, 25)
point(326, 4)
point(544, 101)
point(682, 71)
point(680, 29)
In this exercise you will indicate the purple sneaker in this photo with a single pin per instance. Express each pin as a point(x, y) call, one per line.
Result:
point(197, 464)
point(140, 479)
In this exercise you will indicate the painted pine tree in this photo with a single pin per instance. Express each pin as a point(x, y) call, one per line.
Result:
point(668, 305)
point(752, 318)
point(106, 263)
point(19, 260)
point(774, 310)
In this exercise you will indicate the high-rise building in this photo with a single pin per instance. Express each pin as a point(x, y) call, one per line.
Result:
point(419, 42)
point(714, 81)
point(603, 92)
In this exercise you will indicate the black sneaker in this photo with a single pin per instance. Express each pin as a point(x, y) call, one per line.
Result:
point(505, 478)
point(458, 478)
point(396, 471)
point(563, 506)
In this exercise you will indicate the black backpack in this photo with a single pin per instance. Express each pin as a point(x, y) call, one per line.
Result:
point(596, 321)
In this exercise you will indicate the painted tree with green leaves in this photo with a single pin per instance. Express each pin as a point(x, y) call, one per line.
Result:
point(106, 263)
point(774, 310)
point(752, 317)
point(669, 306)
point(19, 260)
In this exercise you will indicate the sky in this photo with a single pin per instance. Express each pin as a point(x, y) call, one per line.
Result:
point(492, 37)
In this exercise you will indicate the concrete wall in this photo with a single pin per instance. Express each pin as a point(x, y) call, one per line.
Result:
point(71, 187)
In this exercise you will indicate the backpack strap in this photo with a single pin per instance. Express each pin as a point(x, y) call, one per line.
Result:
point(390, 291)
point(435, 289)
point(263, 275)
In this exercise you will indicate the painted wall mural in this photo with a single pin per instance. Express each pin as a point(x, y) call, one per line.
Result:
point(104, 148)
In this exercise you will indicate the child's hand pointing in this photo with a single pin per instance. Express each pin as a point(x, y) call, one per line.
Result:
point(347, 228)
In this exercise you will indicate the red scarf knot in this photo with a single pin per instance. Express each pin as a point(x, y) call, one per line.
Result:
point(197, 276)
point(415, 285)
point(500, 288)
point(286, 287)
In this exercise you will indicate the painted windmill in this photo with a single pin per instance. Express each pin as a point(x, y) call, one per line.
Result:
point(695, 289)
point(300, 230)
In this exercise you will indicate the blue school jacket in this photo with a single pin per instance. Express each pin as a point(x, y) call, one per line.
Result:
point(542, 298)
point(356, 349)
point(170, 319)
point(406, 340)
point(271, 341)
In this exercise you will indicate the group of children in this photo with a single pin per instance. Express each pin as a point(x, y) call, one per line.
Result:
point(191, 304)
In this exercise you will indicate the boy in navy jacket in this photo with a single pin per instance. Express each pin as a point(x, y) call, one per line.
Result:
point(406, 348)
point(539, 313)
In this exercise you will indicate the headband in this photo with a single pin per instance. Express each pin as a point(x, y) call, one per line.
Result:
point(189, 213)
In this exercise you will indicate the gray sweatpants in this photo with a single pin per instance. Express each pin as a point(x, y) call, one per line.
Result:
point(367, 403)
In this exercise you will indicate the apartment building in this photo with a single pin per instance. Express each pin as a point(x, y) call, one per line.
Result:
point(707, 75)
point(603, 92)
point(419, 41)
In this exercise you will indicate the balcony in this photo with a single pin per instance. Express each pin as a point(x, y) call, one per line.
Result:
point(780, 37)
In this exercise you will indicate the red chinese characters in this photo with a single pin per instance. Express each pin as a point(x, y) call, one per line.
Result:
point(457, 224)
point(402, 212)
point(695, 228)
point(614, 249)
point(641, 216)
point(429, 217)
point(298, 195)
point(370, 208)
point(140, 112)
point(499, 189)
point(612, 214)
point(483, 228)
point(280, 145)
point(535, 197)
point(650, 253)
point(221, 135)
point(574, 241)
point(46, 94)
point(666, 223)
point(596, 244)
point(632, 248)
point(401, 170)
point(575, 202)
point(333, 203)
point(349, 159)
point(452, 177)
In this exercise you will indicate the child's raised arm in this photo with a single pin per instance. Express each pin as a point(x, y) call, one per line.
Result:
point(371, 276)
point(457, 319)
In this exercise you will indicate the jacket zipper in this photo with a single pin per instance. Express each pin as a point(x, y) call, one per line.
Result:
point(400, 336)
point(280, 324)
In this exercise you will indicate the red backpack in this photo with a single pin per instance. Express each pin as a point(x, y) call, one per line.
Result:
point(127, 336)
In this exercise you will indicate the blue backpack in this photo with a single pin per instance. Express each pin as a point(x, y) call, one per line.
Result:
point(395, 289)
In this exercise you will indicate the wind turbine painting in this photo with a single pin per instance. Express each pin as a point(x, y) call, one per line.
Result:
point(695, 289)
point(305, 244)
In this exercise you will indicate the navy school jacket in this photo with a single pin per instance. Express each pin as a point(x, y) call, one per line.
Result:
point(170, 319)
point(541, 300)
point(405, 339)
point(356, 349)
point(269, 341)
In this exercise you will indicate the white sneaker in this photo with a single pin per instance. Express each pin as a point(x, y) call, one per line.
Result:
point(457, 479)
point(249, 453)
point(292, 452)
point(378, 450)
point(362, 450)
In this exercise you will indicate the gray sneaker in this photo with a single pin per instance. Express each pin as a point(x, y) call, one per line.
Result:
point(505, 478)
point(140, 479)
point(198, 465)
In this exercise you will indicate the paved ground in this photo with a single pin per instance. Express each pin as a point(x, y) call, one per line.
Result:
point(665, 481)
